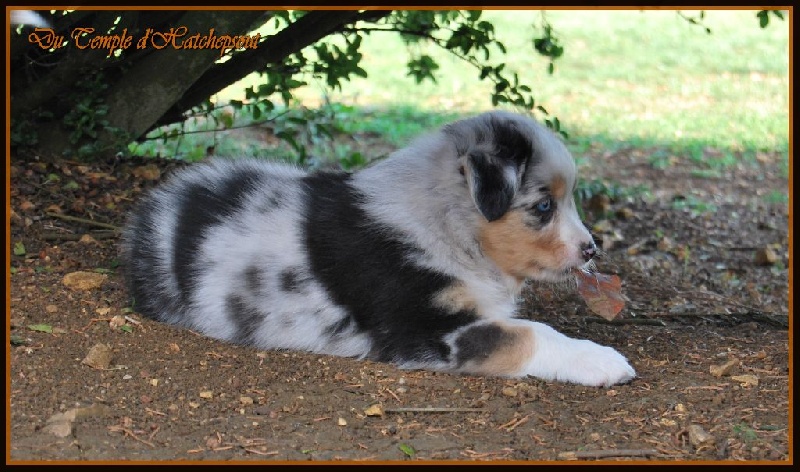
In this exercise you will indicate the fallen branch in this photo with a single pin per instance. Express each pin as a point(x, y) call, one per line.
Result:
point(75, 219)
point(600, 454)
point(433, 410)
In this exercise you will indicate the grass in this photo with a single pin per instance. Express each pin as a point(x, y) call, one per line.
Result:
point(627, 78)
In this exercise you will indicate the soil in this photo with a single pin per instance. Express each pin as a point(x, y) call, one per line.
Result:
point(706, 327)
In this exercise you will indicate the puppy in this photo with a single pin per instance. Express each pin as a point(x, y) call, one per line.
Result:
point(416, 260)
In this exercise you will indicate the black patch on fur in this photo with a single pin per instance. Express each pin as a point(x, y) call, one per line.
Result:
point(478, 343)
point(492, 189)
point(245, 317)
point(139, 260)
point(201, 208)
point(366, 269)
point(252, 279)
point(513, 146)
point(339, 327)
point(291, 281)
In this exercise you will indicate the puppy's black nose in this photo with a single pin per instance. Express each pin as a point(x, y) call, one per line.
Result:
point(588, 250)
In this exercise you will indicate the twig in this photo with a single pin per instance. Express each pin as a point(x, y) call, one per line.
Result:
point(77, 237)
point(270, 453)
point(432, 410)
point(576, 455)
point(624, 321)
point(512, 425)
point(91, 322)
point(706, 294)
point(84, 221)
point(130, 434)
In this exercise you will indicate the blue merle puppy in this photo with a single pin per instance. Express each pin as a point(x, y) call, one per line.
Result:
point(417, 260)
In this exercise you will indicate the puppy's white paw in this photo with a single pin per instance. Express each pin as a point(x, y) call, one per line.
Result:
point(558, 357)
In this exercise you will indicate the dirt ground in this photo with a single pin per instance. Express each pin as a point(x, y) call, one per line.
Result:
point(706, 328)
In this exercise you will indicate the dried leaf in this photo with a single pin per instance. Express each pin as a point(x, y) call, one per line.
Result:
point(698, 436)
point(747, 380)
point(99, 356)
point(116, 321)
point(601, 292)
point(84, 280)
point(724, 369)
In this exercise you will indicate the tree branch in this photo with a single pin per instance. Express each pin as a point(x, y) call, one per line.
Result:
point(307, 30)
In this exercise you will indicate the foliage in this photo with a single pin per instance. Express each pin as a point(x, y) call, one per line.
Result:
point(295, 48)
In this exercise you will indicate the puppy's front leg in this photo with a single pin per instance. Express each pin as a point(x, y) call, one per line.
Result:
point(517, 348)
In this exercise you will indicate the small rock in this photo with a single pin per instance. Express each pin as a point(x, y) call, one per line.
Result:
point(765, 256)
point(374, 410)
point(246, 400)
point(342, 422)
point(87, 239)
point(698, 436)
point(724, 369)
point(60, 424)
point(99, 356)
point(625, 214)
point(61, 429)
point(509, 392)
point(51, 308)
point(206, 394)
point(664, 244)
point(81, 280)
point(117, 321)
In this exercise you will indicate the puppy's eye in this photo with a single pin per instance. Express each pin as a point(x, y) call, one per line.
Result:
point(545, 206)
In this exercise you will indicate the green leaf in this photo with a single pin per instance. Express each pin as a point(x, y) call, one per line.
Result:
point(42, 328)
point(126, 328)
point(19, 248)
point(763, 18)
point(17, 340)
point(407, 450)
point(227, 120)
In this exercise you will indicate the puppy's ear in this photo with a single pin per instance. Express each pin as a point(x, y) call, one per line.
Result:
point(494, 150)
point(492, 183)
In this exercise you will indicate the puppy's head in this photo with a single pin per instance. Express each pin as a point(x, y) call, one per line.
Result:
point(521, 179)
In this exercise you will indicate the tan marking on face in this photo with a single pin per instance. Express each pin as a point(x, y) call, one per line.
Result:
point(558, 187)
point(509, 358)
point(520, 251)
point(455, 298)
